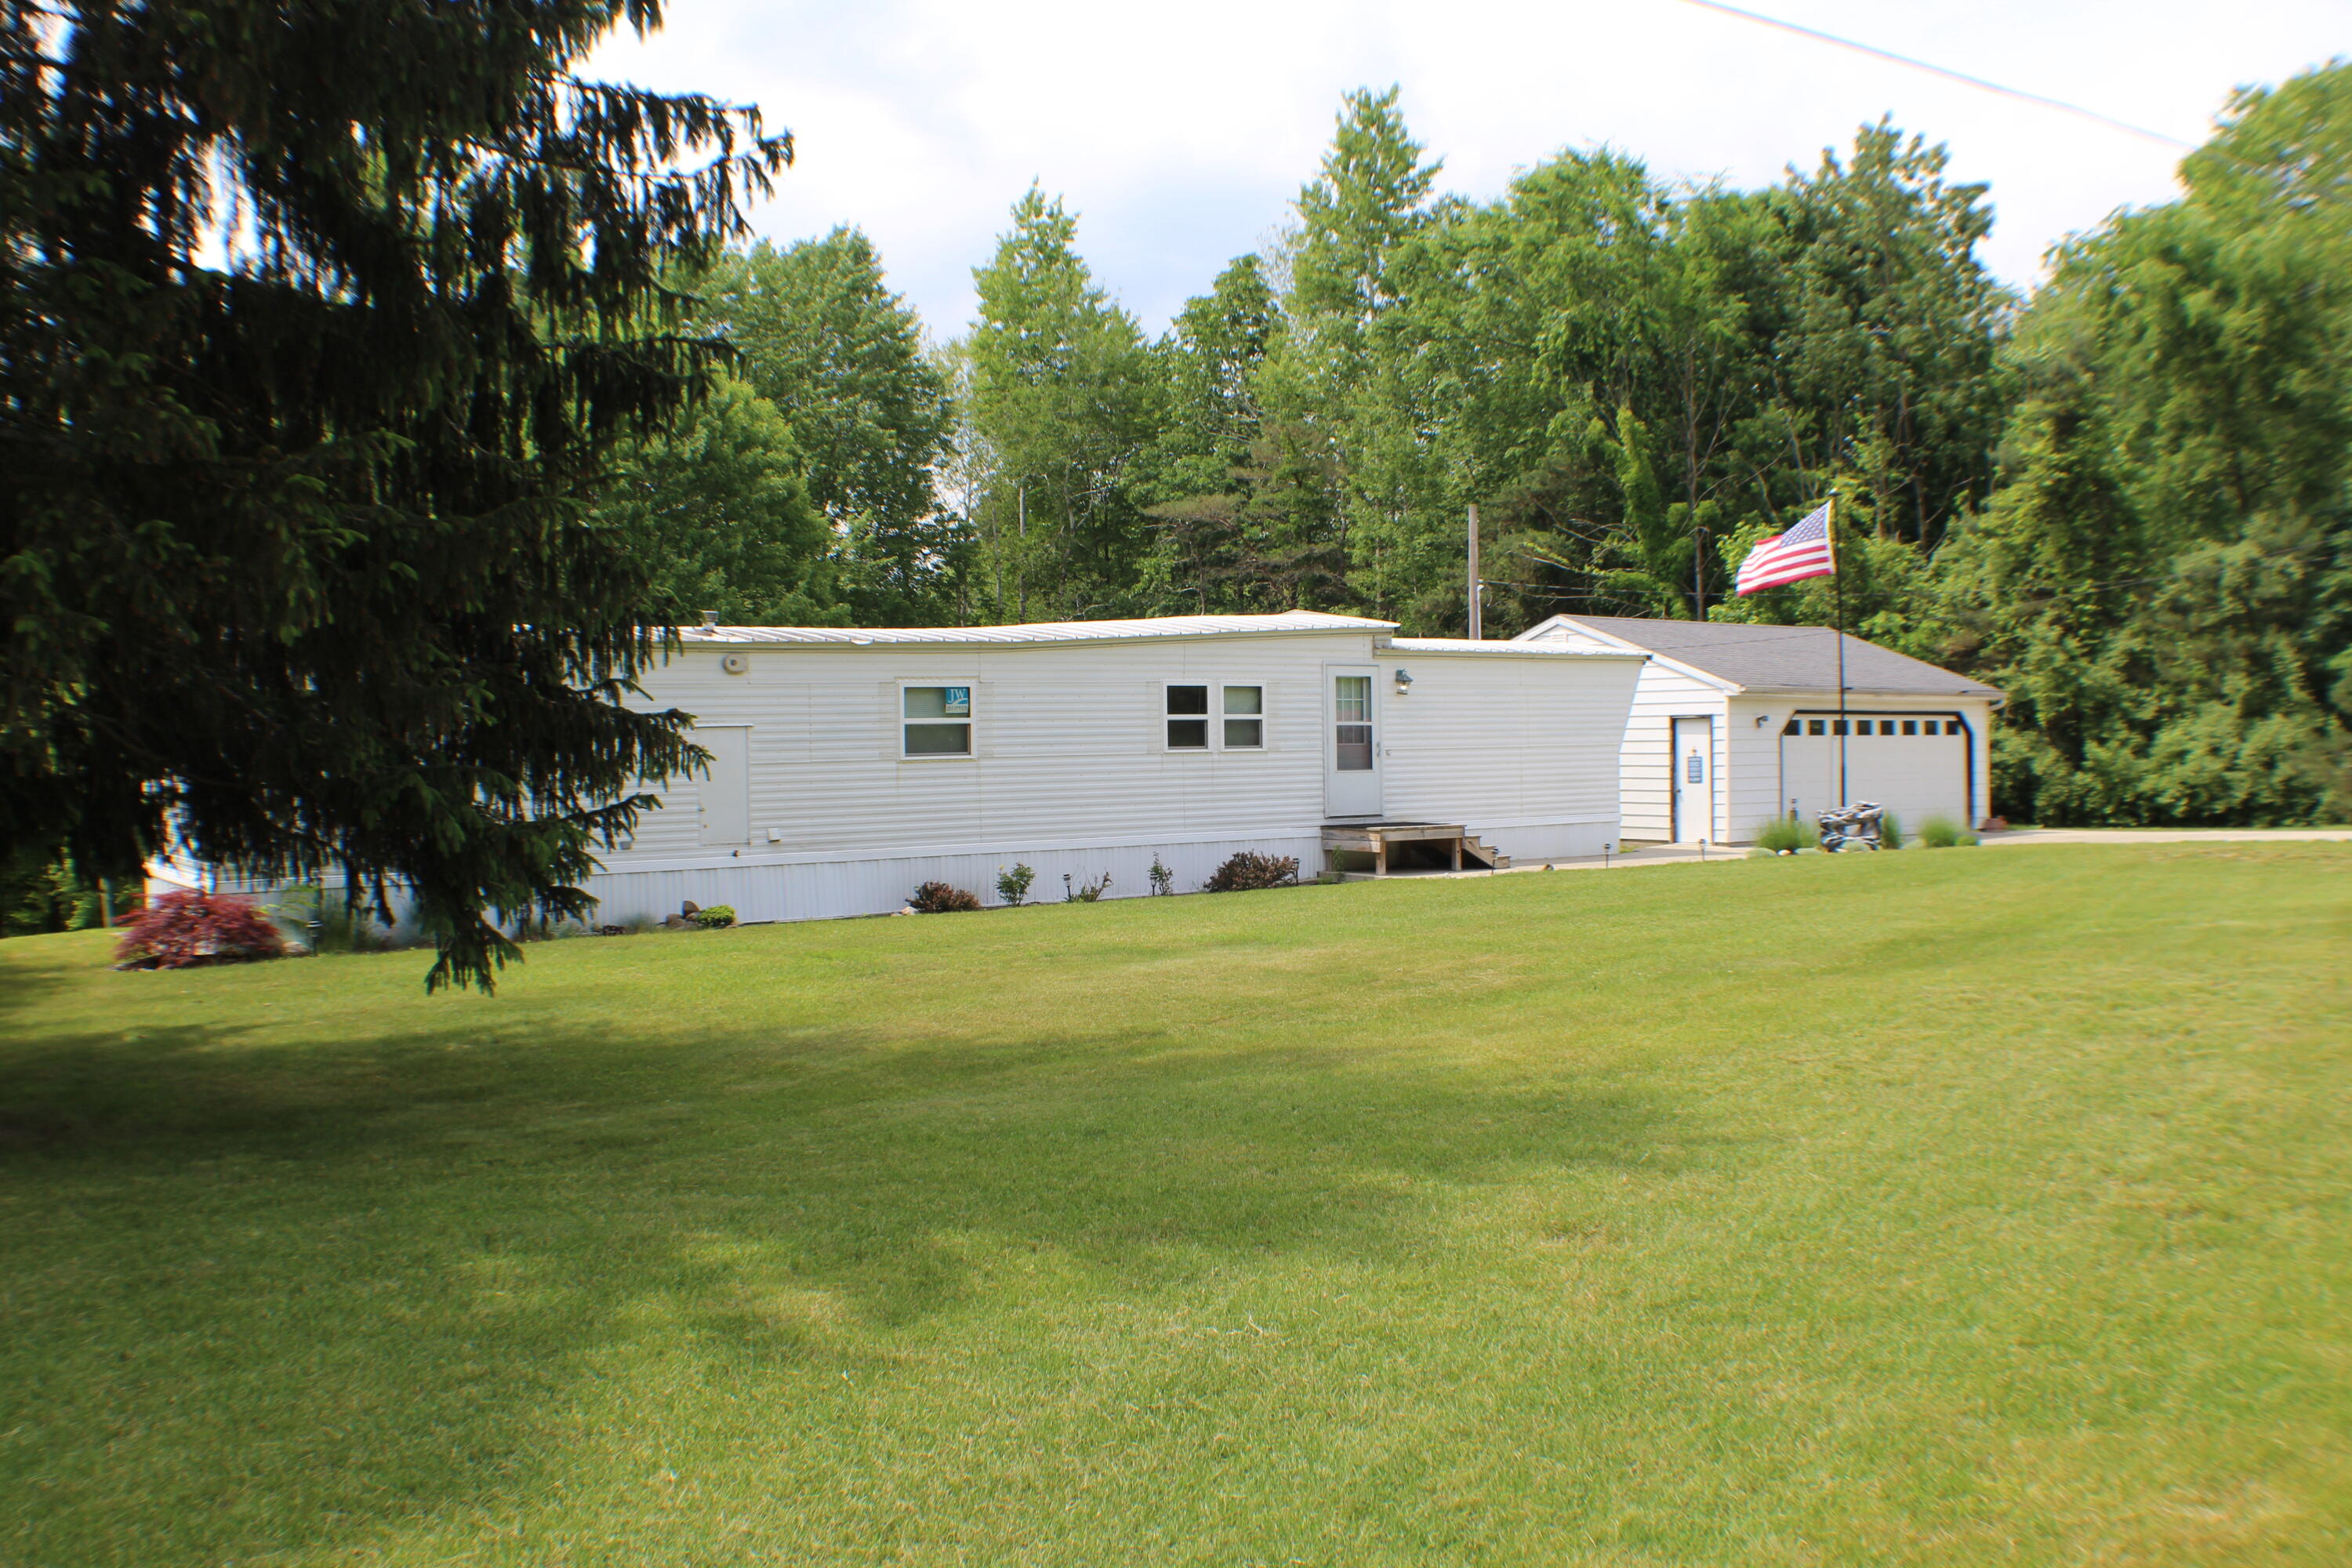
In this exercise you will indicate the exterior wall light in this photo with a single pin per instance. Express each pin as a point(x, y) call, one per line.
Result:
point(1403, 681)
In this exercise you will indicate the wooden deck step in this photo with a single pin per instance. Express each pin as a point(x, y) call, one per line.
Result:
point(1464, 848)
point(1494, 860)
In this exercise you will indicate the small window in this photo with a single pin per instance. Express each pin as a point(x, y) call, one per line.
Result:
point(1817, 726)
point(1910, 726)
point(1245, 717)
point(1792, 728)
point(1188, 718)
point(1952, 727)
point(938, 721)
point(1887, 726)
point(1694, 769)
point(1351, 704)
point(1837, 726)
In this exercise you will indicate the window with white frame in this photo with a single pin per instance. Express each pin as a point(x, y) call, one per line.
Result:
point(1188, 718)
point(937, 720)
point(1244, 718)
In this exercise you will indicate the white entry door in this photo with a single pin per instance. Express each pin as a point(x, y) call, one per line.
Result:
point(725, 803)
point(1351, 741)
point(1693, 780)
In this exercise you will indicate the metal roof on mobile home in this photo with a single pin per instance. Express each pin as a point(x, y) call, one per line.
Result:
point(1289, 622)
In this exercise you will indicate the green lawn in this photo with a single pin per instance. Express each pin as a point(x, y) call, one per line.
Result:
point(1945, 1207)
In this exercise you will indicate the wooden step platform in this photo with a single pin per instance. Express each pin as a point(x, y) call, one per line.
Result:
point(1461, 847)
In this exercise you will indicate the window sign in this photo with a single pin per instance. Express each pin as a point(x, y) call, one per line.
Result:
point(955, 701)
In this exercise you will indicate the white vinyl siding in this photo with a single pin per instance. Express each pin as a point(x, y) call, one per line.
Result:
point(1646, 759)
point(1069, 745)
point(1508, 747)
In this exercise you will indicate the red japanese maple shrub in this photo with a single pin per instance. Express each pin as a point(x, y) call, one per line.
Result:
point(181, 931)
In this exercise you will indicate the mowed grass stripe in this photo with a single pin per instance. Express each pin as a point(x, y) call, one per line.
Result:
point(1933, 1207)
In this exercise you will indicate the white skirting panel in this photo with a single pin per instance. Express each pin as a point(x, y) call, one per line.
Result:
point(828, 889)
point(1550, 840)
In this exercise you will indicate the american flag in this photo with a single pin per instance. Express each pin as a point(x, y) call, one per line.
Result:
point(1803, 552)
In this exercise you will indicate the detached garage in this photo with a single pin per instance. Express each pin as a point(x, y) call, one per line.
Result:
point(1733, 725)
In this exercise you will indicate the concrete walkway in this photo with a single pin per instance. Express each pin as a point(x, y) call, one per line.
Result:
point(2167, 834)
point(1693, 854)
point(1644, 855)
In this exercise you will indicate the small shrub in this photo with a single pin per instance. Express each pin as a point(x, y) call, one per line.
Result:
point(1943, 833)
point(181, 931)
point(1163, 880)
point(718, 916)
point(1013, 886)
point(1084, 892)
point(941, 899)
point(1249, 871)
point(1890, 830)
point(1783, 836)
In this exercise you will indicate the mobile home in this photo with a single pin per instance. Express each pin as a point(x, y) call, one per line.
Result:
point(850, 765)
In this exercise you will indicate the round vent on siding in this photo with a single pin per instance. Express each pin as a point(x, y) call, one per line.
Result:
point(734, 663)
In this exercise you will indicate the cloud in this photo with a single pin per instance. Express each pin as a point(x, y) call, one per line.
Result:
point(1180, 134)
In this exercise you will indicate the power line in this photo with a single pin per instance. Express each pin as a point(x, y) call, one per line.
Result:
point(1979, 82)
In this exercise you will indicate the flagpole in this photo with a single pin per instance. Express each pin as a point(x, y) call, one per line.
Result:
point(1837, 598)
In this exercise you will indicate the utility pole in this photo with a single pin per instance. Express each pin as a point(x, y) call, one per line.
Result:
point(1478, 589)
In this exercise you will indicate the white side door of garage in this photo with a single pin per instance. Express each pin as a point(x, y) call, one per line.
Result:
point(1693, 780)
point(1914, 765)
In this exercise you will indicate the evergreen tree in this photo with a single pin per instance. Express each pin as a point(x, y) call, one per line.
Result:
point(296, 563)
point(1221, 540)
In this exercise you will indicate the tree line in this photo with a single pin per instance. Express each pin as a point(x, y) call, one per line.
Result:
point(2122, 500)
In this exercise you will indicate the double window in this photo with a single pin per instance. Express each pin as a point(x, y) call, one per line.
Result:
point(1241, 709)
point(937, 720)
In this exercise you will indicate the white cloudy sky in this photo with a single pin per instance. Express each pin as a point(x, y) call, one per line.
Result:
point(1180, 132)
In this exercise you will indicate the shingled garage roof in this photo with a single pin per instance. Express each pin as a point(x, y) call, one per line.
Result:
point(1783, 659)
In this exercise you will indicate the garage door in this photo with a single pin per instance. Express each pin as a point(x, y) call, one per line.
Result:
point(1916, 765)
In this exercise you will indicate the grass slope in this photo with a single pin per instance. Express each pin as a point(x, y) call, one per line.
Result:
point(1931, 1208)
